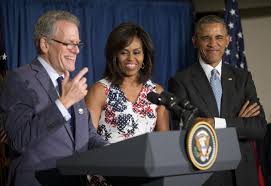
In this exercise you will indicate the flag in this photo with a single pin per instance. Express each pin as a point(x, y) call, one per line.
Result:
point(3, 71)
point(3, 137)
point(3, 65)
point(235, 52)
point(3, 55)
point(235, 55)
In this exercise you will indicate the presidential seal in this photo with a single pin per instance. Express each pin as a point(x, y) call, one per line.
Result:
point(202, 145)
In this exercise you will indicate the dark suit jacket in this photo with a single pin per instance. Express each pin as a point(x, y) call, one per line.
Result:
point(238, 87)
point(38, 134)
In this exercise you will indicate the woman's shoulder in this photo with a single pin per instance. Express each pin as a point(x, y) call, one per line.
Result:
point(95, 92)
point(99, 87)
point(155, 87)
point(103, 82)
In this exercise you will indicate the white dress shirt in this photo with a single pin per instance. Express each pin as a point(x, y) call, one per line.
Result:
point(53, 76)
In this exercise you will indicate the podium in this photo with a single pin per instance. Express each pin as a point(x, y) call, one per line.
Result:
point(152, 159)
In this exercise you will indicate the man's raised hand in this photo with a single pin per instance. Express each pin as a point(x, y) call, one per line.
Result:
point(73, 90)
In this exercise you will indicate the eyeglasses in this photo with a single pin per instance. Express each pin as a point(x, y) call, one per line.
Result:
point(69, 46)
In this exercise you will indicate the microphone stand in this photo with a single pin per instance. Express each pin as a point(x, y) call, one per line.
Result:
point(187, 118)
point(181, 123)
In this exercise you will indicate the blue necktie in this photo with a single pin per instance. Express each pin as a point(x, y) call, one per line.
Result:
point(59, 84)
point(216, 87)
point(71, 111)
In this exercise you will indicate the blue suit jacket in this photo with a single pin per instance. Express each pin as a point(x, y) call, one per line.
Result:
point(38, 133)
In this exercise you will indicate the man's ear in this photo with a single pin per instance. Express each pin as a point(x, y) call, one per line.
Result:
point(194, 41)
point(228, 40)
point(44, 45)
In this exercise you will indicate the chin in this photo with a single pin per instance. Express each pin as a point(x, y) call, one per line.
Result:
point(129, 72)
point(71, 67)
point(212, 63)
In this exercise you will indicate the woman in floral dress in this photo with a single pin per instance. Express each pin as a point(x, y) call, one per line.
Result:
point(118, 103)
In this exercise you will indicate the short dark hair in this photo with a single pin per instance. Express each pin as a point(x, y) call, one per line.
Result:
point(120, 37)
point(209, 19)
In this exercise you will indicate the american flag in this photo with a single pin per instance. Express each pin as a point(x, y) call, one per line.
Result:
point(235, 52)
point(235, 55)
point(3, 71)
point(3, 136)
point(3, 55)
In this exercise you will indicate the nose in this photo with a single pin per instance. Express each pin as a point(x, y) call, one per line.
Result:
point(131, 56)
point(75, 49)
point(212, 42)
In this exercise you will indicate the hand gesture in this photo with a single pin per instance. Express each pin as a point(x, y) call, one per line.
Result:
point(73, 90)
point(249, 110)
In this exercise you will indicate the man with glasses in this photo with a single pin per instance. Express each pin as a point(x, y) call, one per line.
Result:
point(46, 115)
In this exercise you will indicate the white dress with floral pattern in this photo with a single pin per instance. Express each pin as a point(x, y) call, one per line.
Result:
point(122, 119)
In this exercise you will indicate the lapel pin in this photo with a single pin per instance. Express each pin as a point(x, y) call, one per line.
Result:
point(229, 79)
point(81, 111)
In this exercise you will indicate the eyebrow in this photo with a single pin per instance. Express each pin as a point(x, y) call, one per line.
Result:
point(140, 48)
point(218, 35)
point(74, 41)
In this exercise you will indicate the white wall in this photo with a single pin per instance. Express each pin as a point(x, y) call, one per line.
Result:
point(257, 35)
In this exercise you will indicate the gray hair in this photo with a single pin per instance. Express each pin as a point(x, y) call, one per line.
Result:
point(209, 19)
point(46, 23)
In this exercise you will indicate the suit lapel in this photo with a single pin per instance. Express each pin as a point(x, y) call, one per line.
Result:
point(228, 83)
point(45, 81)
point(204, 90)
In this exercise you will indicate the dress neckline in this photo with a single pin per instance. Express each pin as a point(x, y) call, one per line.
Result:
point(138, 96)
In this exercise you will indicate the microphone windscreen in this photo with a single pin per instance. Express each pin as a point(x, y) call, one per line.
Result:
point(153, 97)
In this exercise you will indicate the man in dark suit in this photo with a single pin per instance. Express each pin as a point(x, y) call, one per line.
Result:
point(232, 102)
point(46, 119)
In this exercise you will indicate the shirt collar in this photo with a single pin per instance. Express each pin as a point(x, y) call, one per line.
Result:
point(50, 70)
point(208, 68)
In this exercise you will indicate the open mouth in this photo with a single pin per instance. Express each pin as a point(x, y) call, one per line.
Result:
point(131, 65)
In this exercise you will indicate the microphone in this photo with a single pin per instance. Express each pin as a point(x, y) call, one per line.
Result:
point(167, 99)
point(171, 102)
point(183, 109)
point(155, 98)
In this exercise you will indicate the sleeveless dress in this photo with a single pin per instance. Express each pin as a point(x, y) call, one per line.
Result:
point(121, 119)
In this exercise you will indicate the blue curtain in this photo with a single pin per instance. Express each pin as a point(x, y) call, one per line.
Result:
point(169, 23)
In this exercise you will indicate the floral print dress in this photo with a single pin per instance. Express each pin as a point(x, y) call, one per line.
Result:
point(122, 119)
